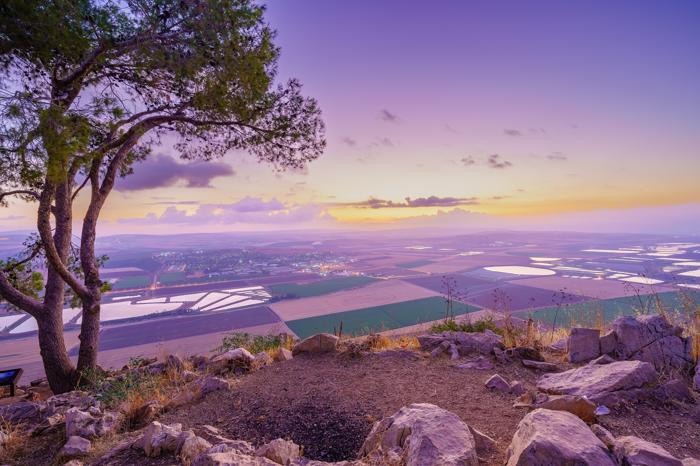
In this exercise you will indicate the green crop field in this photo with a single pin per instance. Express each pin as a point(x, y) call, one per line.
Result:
point(378, 318)
point(415, 263)
point(319, 288)
point(172, 278)
point(589, 312)
point(132, 281)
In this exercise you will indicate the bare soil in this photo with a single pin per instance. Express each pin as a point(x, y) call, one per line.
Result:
point(328, 403)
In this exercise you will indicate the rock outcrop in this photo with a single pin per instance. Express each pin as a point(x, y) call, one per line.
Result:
point(633, 451)
point(583, 344)
point(600, 383)
point(423, 435)
point(556, 437)
point(466, 343)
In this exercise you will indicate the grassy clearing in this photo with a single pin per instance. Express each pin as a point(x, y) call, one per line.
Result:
point(295, 290)
point(378, 318)
point(14, 439)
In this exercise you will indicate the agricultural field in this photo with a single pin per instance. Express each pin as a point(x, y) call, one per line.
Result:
point(172, 278)
point(305, 290)
point(415, 263)
point(604, 311)
point(375, 294)
point(378, 318)
point(599, 289)
point(132, 281)
point(459, 263)
point(507, 297)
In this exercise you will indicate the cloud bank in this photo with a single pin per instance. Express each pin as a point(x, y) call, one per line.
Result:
point(162, 171)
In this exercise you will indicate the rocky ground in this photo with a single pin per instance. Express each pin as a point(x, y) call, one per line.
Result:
point(625, 397)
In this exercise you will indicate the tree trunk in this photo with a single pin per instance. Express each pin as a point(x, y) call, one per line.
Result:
point(58, 367)
point(89, 336)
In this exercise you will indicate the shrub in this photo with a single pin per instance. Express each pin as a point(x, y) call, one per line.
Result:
point(254, 343)
point(451, 325)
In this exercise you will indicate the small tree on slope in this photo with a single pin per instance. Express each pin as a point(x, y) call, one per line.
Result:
point(88, 86)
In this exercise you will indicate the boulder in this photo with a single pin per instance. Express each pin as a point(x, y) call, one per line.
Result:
point(21, 411)
point(191, 446)
point(90, 424)
point(577, 405)
point(653, 339)
point(280, 451)
point(237, 360)
point(676, 390)
point(426, 435)
point(558, 346)
point(231, 458)
point(481, 363)
point(594, 381)
point(604, 435)
point(484, 444)
point(440, 349)
point(319, 343)
point(212, 384)
point(75, 399)
point(498, 383)
point(608, 342)
point(283, 354)
point(604, 359)
point(633, 451)
point(261, 360)
point(583, 344)
point(547, 437)
point(160, 438)
point(75, 446)
point(467, 343)
point(517, 388)
point(540, 365)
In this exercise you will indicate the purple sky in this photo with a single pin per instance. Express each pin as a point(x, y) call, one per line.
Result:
point(462, 113)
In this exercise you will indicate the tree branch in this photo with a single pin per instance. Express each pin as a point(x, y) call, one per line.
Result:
point(15, 297)
point(24, 192)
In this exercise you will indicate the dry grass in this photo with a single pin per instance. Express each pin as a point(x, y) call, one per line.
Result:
point(378, 342)
point(16, 440)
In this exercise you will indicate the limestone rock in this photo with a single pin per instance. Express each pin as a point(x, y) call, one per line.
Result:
point(559, 346)
point(498, 383)
point(675, 389)
point(212, 384)
point(75, 446)
point(467, 343)
point(583, 344)
point(440, 349)
point(21, 411)
point(481, 363)
point(159, 438)
point(604, 359)
point(608, 342)
point(653, 339)
point(540, 365)
point(283, 354)
point(604, 435)
point(75, 399)
point(280, 451)
point(516, 388)
point(89, 424)
point(524, 352)
point(547, 437)
point(261, 360)
point(231, 458)
point(319, 343)
point(484, 444)
point(237, 360)
point(191, 446)
point(426, 435)
point(577, 405)
point(690, 462)
point(633, 451)
point(594, 381)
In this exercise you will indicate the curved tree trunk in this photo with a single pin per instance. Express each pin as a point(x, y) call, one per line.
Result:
point(89, 336)
point(59, 370)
